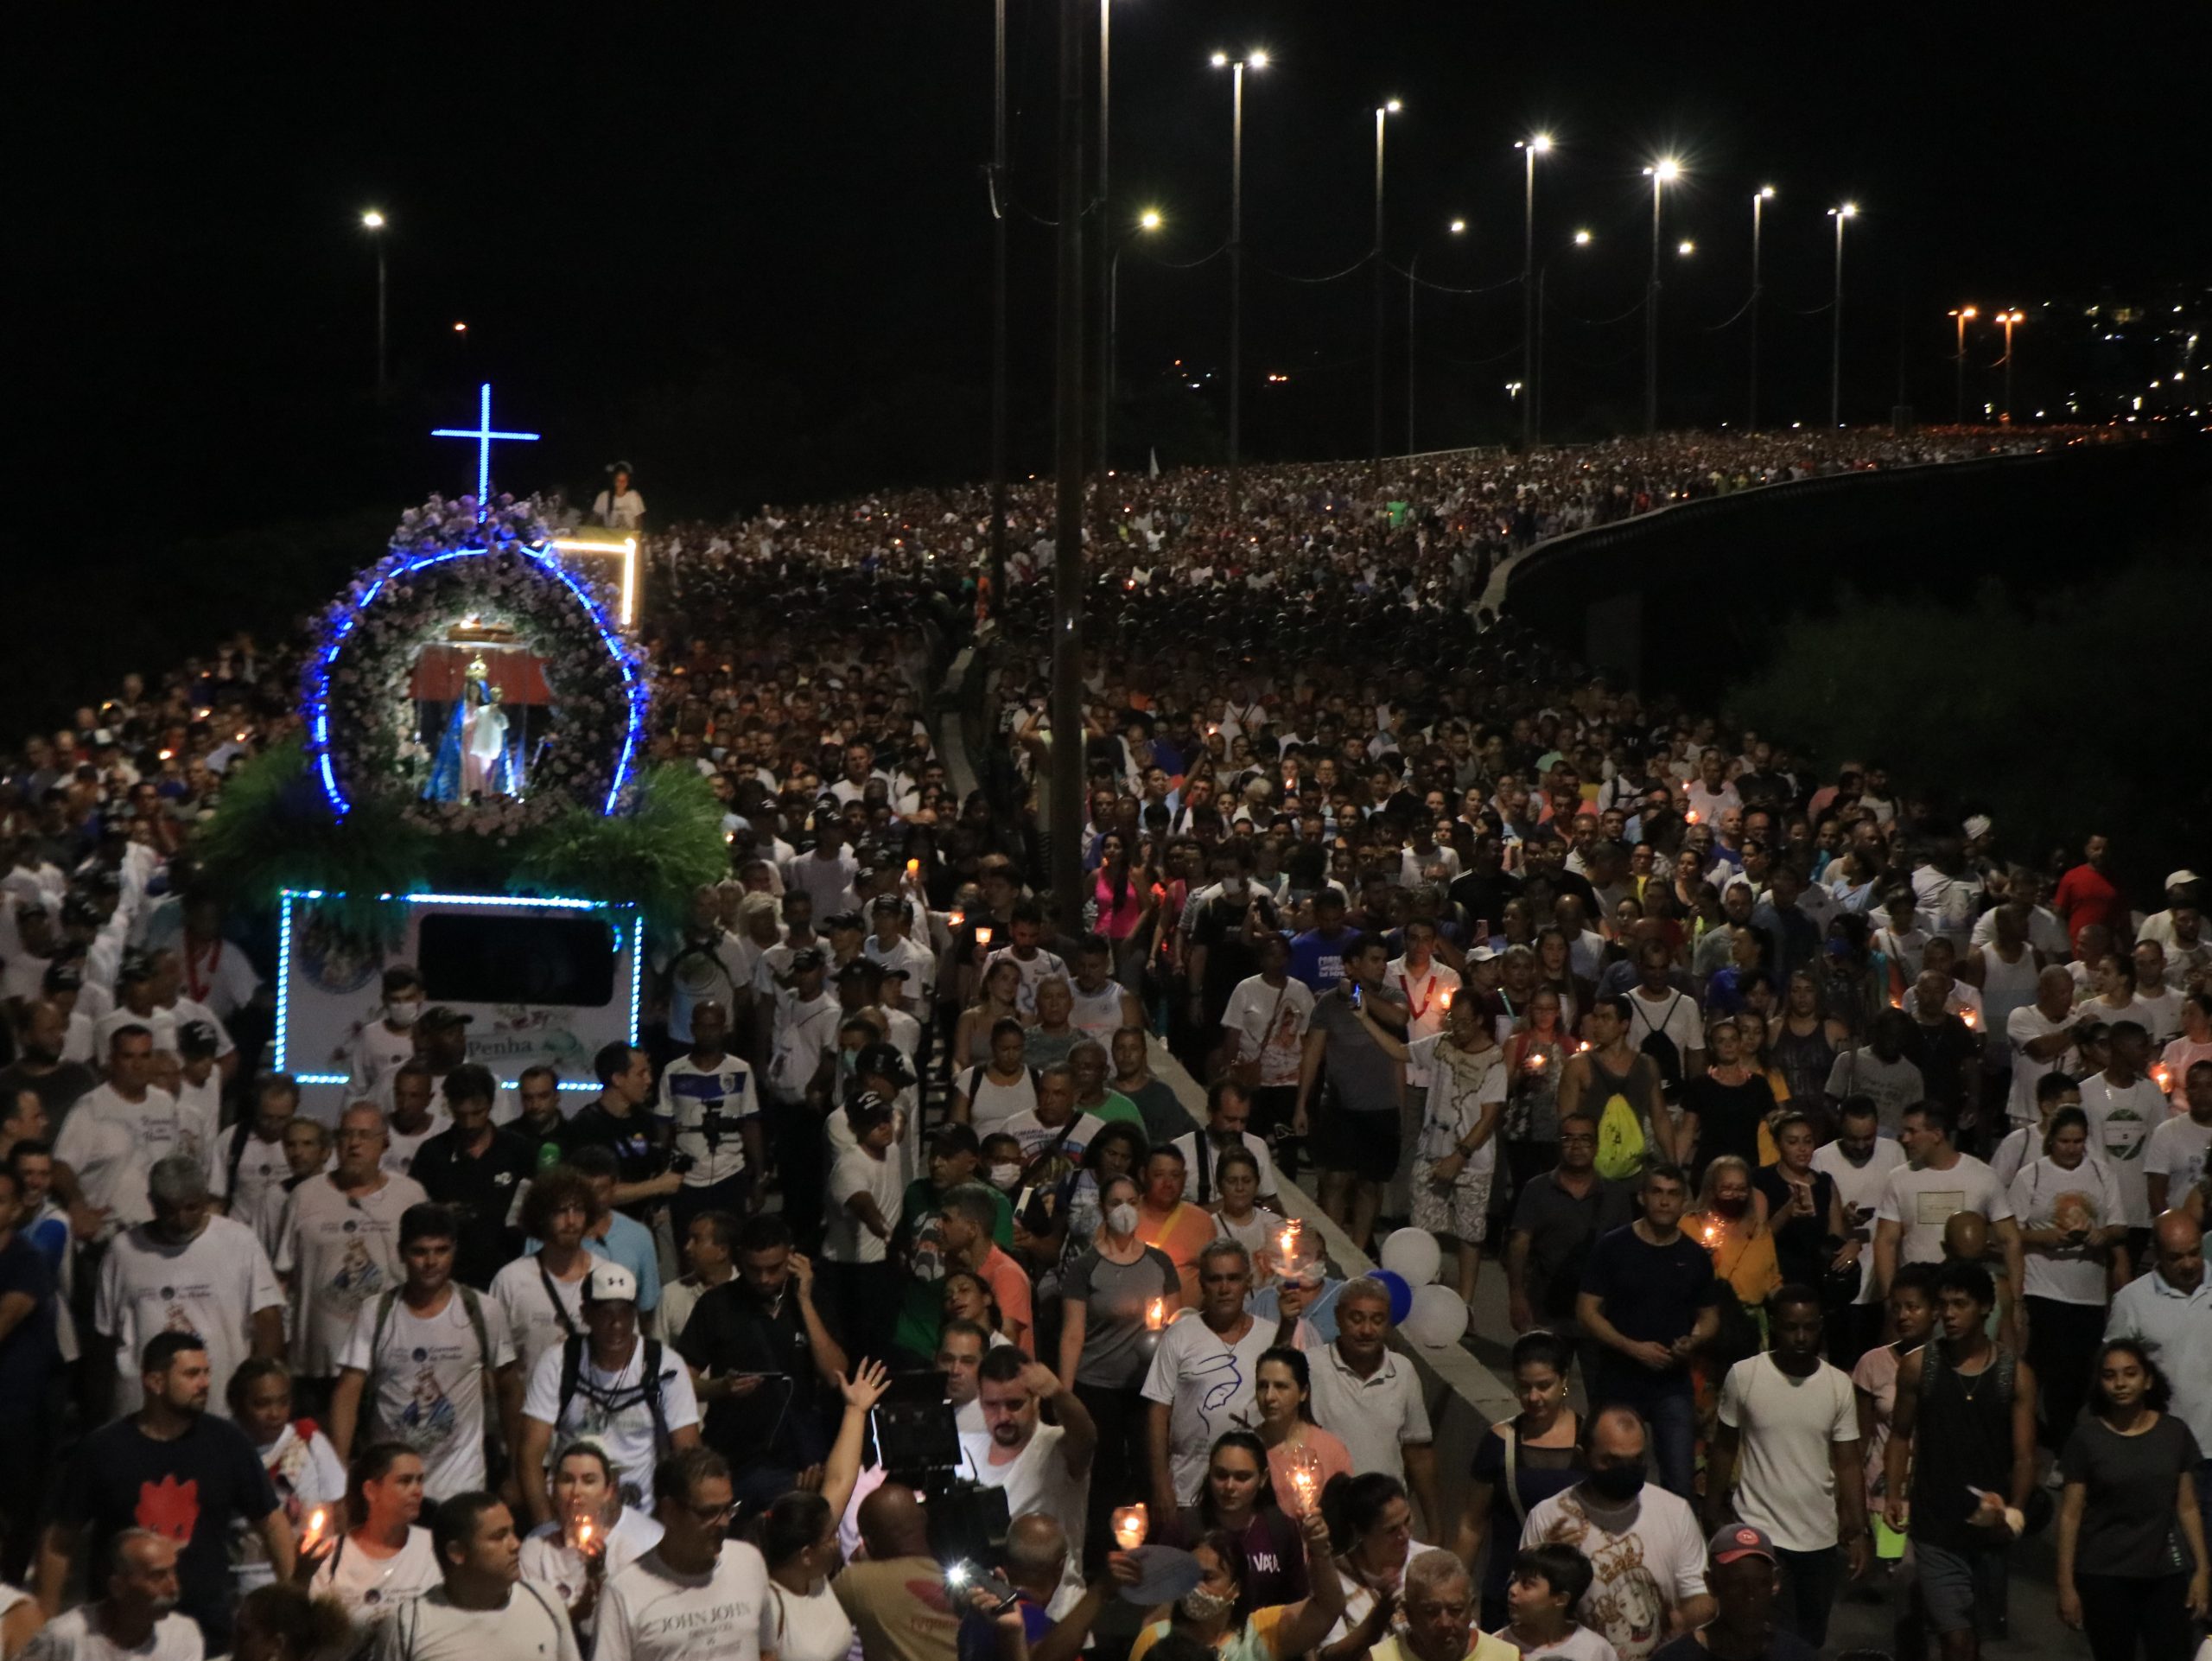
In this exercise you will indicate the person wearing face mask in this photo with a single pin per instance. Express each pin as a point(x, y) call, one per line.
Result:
point(1239, 1499)
point(1114, 1298)
point(137, 1618)
point(382, 1047)
point(1222, 1617)
point(1646, 1552)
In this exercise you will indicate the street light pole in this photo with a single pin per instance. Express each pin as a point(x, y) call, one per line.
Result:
point(1962, 316)
point(1066, 823)
point(2009, 318)
point(1147, 220)
point(1836, 332)
point(1258, 60)
point(1412, 278)
point(372, 222)
point(1662, 174)
point(1374, 443)
point(1759, 199)
point(1530, 149)
point(1101, 376)
point(998, 181)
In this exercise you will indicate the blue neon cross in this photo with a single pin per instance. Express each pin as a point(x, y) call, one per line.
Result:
point(483, 434)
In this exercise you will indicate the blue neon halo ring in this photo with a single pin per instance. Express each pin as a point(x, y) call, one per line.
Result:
point(339, 622)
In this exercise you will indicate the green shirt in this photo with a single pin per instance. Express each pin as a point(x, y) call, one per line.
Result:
point(921, 1301)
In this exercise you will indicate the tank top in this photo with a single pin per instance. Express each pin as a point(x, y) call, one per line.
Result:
point(1963, 1440)
point(2004, 986)
point(1097, 1015)
point(1804, 1060)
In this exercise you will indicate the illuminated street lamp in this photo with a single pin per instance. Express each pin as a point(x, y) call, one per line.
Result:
point(1848, 211)
point(1963, 315)
point(1148, 221)
point(1661, 173)
point(2009, 318)
point(1530, 149)
point(1236, 66)
point(1384, 111)
point(1760, 198)
point(1458, 228)
point(373, 222)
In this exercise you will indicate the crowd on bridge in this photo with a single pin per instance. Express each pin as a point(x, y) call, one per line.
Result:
point(1838, 1155)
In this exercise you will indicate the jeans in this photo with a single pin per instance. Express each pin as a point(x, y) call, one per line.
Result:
point(1809, 1579)
point(2129, 1619)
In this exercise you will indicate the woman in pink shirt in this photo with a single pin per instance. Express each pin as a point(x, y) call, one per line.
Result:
point(1282, 1389)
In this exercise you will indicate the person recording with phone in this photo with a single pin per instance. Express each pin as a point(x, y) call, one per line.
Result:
point(1356, 1036)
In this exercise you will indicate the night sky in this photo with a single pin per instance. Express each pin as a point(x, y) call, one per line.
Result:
point(746, 246)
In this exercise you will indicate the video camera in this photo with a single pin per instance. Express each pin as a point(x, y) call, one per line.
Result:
point(918, 1442)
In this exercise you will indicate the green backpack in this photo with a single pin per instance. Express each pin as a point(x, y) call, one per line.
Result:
point(1620, 1139)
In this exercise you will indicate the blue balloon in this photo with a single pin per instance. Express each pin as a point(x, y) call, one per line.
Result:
point(1401, 1294)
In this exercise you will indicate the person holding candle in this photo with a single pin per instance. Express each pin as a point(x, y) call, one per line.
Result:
point(1239, 1499)
point(380, 1557)
point(1535, 1066)
point(1220, 1615)
point(591, 1535)
point(302, 1466)
point(974, 1039)
point(1238, 1216)
point(1114, 1298)
point(2194, 1045)
point(1200, 1381)
point(1301, 1456)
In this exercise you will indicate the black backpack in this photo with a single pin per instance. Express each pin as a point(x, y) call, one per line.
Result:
point(1660, 1047)
point(647, 1389)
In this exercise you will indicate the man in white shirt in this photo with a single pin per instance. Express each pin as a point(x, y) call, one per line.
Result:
point(380, 1045)
point(432, 1359)
point(337, 1243)
point(1788, 1439)
point(137, 1617)
point(1228, 1109)
point(2041, 1036)
point(187, 1269)
point(826, 872)
point(485, 1611)
point(709, 1100)
point(1372, 1399)
point(697, 1592)
point(2124, 1106)
point(1921, 1197)
point(1041, 1467)
point(634, 1395)
point(1428, 988)
point(1202, 1374)
point(1031, 960)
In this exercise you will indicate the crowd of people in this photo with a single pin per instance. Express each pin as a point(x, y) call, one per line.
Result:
point(1837, 1156)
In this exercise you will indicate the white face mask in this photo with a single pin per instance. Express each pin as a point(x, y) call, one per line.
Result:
point(1003, 1177)
point(402, 1012)
point(1122, 1219)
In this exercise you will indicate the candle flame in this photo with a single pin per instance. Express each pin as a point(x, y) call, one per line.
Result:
point(958, 919)
point(913, 868)
point(1690, 816)
point(1536, 1062)
point(982, 934)
point(1130, 1525)
point(583, 1532)
point(1156, 1314)
point(1968, 1016)
point(1445, 994)
point(315, 1521)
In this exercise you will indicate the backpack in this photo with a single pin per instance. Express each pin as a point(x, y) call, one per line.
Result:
point(1660, 1047)
point(494, 1461)
point(1620, 1139)
point(648, 1389)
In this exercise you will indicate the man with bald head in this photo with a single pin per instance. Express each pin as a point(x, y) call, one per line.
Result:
point(2169, 1312)
point(138, 1615)
point(1034, 1561)
point(1646, 1551)
point(895, 1597)
point(2041, 1036)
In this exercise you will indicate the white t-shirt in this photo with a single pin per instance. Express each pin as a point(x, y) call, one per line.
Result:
point(652, 1612)
point(845, 1238)
point(70, 1637)
point(431, 1382)
point(1895, 1085)
point(1580, 1644)
point(532, 1627)
point(262, 1166)
point(549, 1559)
point(211, 1285)
point(376, 1053)
point(688, 1093)
point(1270, 1025)
point(1675, 1015)
point(1376, 1416)
point(990, 1103)
point(1207, 1385)
point(519, 1290)
point(338, 1253)
point(2045, 1195)
point(1784, 1482)
point(1457, 1092)
point(1035, 1136)
point(1859, 1187)
point(113, 1143)
point(2177, 1152)
point(612, 1409)
point(2023, 1027)
point(1645, 1560)
point(369, 1586)
point(1427, 1004)
point(2159, 1013)
point(1922, 1201)
point(402, 1146)
point(2121, 1119)
point(1042, 966)
point(1038, 1479)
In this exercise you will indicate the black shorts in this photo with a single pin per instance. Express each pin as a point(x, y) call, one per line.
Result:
point(1366, 1144)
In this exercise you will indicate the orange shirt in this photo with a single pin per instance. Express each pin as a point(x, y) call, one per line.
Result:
point(1328, 1452)
point(1181, 1233)
point(1009, 1285)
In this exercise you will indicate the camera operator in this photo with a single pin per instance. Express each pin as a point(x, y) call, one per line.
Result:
point(710, 1099)
point(896, 1597)
point(1034, 1561)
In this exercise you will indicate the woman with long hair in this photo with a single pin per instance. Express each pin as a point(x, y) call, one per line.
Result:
point(1220, 1616)
point(966, 1296)
point(1371, 1526)
point(1802, 1207)
point(2133, 1573)
point(592, 1535)
point(2070, 1215)
point(1725, 1107)
point(995, 1000)
point(1536, 1056)
point(1874, 1380)
point(1237, 1214)
point(1283, 1390)
point(1556, 974)
point(378, 1556)
point(1522, 1462)
point(1126, 901)
point(1802, 1042)
point(1239, 1499)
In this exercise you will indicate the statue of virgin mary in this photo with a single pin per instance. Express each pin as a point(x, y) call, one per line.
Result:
point(474, 758)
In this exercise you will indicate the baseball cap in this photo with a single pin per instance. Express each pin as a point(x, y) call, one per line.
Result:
point(1976, 826)
point(882, 1061)
point(806, 957)
point(890, 902)
point(1481, 954)
point(1739, 1540)
point(866, 1110)
point(442, 1015)
point(609, 1283)
point(892, 971)
point(2185, 878)
point(857, 969)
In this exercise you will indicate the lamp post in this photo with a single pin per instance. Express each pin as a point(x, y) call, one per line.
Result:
point(1458, 227)
point(1760, 198)
point(1848, 211)
point(1530, 149)
point(1069, 567)
point(1962, 316)
point(1236, 66)
point(372, 222)
point(2009, 318)
point(1662, 174)
point(1581, 240)
point(1102, 246)
point(998, 191)
point(1147, 221)
point(1383, 111)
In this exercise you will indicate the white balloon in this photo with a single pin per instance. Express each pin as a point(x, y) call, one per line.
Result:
point(1414, 1253)
point(1438, 1319)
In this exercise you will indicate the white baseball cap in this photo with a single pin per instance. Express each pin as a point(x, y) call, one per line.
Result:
point(609, 1283)
point(2183, 878)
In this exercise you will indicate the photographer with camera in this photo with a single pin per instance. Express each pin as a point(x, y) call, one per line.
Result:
point(1042, 1467)
point(1035, 1561)
point(710, 1102)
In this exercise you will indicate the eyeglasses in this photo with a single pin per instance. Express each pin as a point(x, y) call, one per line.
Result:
point(713, 1516)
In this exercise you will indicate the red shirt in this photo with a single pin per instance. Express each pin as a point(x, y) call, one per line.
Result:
point(2087, 895)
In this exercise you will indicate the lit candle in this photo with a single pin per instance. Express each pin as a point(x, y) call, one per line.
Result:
point(316, 1519)
point(1969, 1017)
point(1446, 996)
point(958, 919)
point(1536, 1059)
point(1286, 1243)
point(583, 1535)
point(1305, 1479)
point(1712, 1234)
point(1156, 1314)
point(913, 868)
point(1583, 1048)
point(982, 934)
point(1690, 816)
point(1130, 1523)
point(2163, 1076)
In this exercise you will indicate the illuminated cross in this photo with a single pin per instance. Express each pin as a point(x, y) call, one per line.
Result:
point(483, 434)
